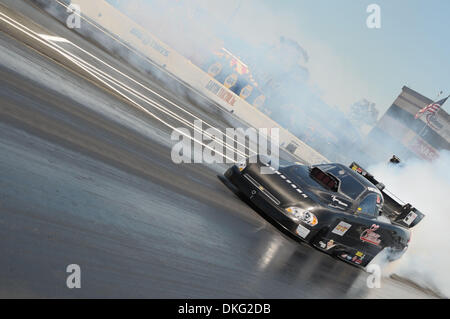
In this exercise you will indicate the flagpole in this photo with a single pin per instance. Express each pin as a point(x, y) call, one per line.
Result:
point(426, 124)
point(440, 107)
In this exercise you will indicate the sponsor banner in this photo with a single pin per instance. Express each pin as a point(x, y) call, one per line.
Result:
point(341, 228)
point(423, 149)
point(220, 91)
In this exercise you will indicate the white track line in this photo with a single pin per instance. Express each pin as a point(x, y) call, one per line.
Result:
point(137, 93)
point(138, 83)
point(51, 45)
point(107, 77)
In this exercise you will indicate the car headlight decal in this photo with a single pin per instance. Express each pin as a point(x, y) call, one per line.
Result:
point(302, 215)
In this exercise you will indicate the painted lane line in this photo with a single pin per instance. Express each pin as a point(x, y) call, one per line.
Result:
point(145, 87)
point(23, 29)
point(79, 61)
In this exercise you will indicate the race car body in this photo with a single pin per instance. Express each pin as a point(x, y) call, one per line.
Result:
point(332, 207)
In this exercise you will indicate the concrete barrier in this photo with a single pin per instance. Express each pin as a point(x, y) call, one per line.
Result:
point(109, 18)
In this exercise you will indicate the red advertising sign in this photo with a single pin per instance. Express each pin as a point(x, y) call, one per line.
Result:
point(423, 149)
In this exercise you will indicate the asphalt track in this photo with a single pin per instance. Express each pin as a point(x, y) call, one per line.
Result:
point(86, 178)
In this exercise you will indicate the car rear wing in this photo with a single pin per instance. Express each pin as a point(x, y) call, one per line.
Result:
point(395, 209)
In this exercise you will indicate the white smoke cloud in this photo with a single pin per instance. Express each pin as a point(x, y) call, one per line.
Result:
point(426, 185)
point(285, 64)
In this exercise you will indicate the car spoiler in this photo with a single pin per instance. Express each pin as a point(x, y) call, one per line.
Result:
point(395, 209)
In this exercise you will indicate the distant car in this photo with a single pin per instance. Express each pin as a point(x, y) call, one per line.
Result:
point(335, 208)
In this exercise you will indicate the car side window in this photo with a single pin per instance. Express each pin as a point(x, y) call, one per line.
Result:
point(368, 205)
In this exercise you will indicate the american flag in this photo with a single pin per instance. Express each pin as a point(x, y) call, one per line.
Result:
point(431, 108)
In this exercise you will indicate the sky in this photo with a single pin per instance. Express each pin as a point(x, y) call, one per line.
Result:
point(347, 60)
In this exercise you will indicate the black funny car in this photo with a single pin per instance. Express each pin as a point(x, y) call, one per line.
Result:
point(343, 211)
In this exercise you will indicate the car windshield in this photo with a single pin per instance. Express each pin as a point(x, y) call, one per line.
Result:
point(370, 205)
point(348, 184)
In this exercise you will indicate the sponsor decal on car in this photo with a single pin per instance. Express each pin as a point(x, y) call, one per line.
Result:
point(337, 200)
point(330, 244)
point(356, 168)
point(370, 236)
point(294, 186)
point(373, 189)
point(302, 231)
point(358, 258)
point(410, 218)
point(301, 192)
point(378, 199)
point(354, 259)
point(341, 228)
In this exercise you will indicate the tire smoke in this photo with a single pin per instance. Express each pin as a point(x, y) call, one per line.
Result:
point(426, 185)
